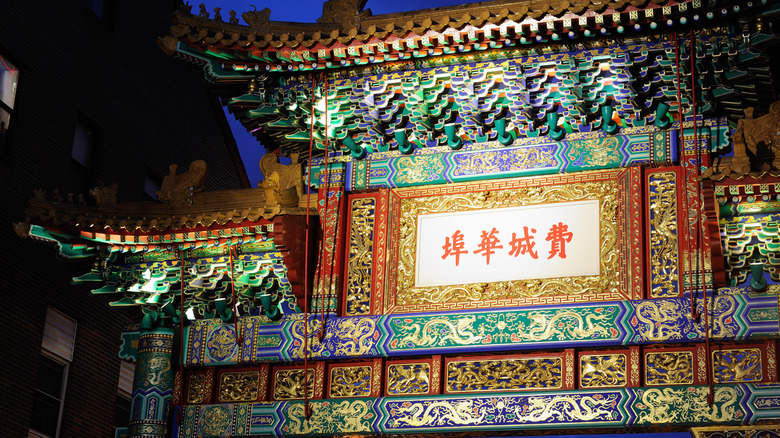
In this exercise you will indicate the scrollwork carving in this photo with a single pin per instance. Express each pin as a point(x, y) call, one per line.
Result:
point(663, 234)
point(504, 375)
point(737, 365)
point(669, 368)
point(289, 384)
point(408, 378)
point(350, 382)
point(603, 370)
point(361, 248)
point(239, 386)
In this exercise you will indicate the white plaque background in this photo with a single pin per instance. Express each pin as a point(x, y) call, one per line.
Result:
point(582, 252)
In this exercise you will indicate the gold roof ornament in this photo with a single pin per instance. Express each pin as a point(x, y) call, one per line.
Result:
point(756, 143)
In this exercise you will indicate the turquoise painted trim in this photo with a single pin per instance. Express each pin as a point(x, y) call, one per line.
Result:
point(615, 323)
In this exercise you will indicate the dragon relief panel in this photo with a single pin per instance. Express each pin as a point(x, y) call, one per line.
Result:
point(663, 234)
point(289, 385)
point(344, 337)
point(669, 368)
point(686, 405)
point(537, 325)
point(239, 386)
point(504, 375)
point(567, 289)
point(603, 370)
point(361, 249)
point(669, 319)
point(196, 388)
point(350, 382)
point(329, 418)
point(503, 411)
point(408, 378)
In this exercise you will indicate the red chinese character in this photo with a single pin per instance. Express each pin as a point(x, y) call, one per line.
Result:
point(454, 247)
point(488, 244)
point(558, 237)
point(521, 245)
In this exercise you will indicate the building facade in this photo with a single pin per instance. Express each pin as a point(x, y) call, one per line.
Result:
point(88, 99)
point(501, 218)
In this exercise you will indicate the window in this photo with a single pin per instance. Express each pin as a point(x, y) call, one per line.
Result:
point(97, 7)
point(124, 394)
point(47, 400)
point(9, 79)
point(85, 140)
point(83, 144)
point(151, 186)
point(59, 335)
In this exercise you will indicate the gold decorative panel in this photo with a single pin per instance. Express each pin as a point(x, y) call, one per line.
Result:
point(669, 368)
point(664, 247)
point(239, 386)
point(618, 247)
point(603, 370)
point(288, 384)
point(361, 250)
point(737, 365)
point(408, 378)
point(196, 388)
point(504, 374)
point(353, 381)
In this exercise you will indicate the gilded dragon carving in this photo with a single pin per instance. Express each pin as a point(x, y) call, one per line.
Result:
point(438, 412)
point(460, 332)
point(669, 368)
point(663, 234)
point(361, 247)
point(509, 374)
point(687, 405)
point(565, 408)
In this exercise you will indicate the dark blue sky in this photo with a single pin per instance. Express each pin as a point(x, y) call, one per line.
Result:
point(307, 11)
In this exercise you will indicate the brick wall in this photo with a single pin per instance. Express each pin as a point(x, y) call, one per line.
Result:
point(151, 110)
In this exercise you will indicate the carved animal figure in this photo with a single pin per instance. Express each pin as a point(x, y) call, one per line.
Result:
point(179, 190)
point(459, 333)
point(288, 176)
point(258, 20)
point(545, 324)
point(565, 408)
point(439, 413)
point(105, 196)
point(603, 372)
point(765, 129)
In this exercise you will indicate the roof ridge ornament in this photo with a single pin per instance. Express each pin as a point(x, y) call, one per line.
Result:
point(105, 196)
point(348, 14)
point(258, 20)
point(179, 191)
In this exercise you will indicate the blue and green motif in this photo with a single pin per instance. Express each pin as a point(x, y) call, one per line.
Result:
point(152, 384)
point(221, 345)
point(476, 330)
point(734, 316)
point(517, 411)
